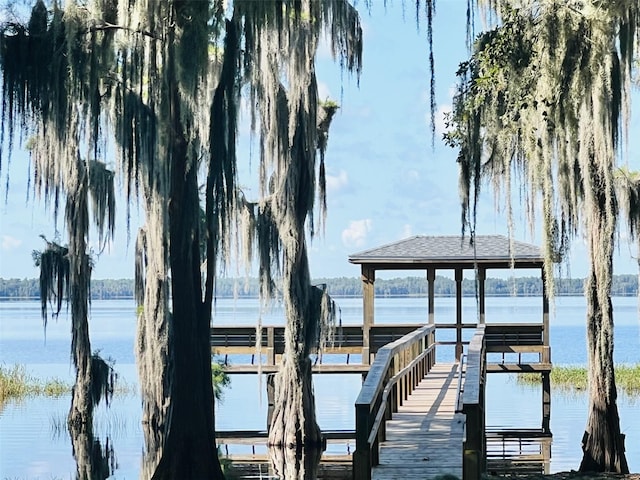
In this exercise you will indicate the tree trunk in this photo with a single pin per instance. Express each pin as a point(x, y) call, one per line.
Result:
point(294, 418)
point(189, 446)
point(80, 417)
point(152, 346)
point(294, 464)
point(603, 443)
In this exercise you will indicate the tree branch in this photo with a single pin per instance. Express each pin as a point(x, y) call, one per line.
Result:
point(109, 26)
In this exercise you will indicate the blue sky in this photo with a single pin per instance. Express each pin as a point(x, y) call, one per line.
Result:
point(385, 182)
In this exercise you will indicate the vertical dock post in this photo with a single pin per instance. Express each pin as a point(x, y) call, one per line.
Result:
point(482, 276)
point(431, 282)
point(459, 277)
point(368, 298)
point(546, 402)
point(546, 358)
point(271, 395)
point(362, 460)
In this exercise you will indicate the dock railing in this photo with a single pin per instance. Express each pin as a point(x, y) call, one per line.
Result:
point(474, 447)
point(512, 341)
point(267, 341)
point(397, 369)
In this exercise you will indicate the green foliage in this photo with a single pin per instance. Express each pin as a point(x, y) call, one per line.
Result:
point(220, 379)
point(622, 285)
point(329, 104)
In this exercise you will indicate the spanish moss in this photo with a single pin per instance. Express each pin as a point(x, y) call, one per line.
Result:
point(545, 99)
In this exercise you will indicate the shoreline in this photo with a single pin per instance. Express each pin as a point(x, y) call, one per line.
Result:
point(567, 475)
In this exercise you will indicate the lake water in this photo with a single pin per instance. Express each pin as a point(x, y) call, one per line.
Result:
point(33, 446)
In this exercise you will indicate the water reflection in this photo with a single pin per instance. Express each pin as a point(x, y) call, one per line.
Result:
point(93, 461)
point(276, 463)
point(521, 451)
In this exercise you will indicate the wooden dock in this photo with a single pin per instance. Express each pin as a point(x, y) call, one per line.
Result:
point(414, 418)
point(424, 438)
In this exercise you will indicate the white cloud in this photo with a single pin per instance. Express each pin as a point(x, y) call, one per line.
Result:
point(356, 234)
point(337, 182)
point(10, 243)
point(324, 92)
point(324, 48)
point(411, 175)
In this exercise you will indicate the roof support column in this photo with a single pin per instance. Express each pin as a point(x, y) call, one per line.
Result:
point(459, 277)
point(368, 299)
point(545, 314)
point(431, 280)
point(482, 276)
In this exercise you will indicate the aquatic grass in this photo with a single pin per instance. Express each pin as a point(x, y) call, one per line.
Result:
point(106, 421)
point(17, 383)
point(576, 378)
point(14, 382)
point(55, 388)
point(124, 388)
point(58, 425)
point(53, 477)
point(112, 424)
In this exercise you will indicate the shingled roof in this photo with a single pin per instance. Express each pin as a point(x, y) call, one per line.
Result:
point(450, 251)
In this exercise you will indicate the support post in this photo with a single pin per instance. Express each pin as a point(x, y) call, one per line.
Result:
point(362, 458)
point(271, 396)
point(368, 298)
point(545, 317)
point(546, 358)
point(546, 402)
point(546, 454)
point(431, 280)
point(473, 462)
point(271, 346)
point(482, 276)
point(458, 314)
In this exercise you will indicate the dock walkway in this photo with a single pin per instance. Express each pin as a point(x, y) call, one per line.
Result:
point(424, 438)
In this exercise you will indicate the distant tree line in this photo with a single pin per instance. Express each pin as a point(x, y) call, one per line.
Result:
point(623, 285)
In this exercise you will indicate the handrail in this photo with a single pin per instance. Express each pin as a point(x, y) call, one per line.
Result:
point(388, 389)
point(395, 372)
point(460, 385)
point(475, 364)
point(474, 461)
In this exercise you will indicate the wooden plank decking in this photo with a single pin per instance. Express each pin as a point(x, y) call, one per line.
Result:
point(424, 439)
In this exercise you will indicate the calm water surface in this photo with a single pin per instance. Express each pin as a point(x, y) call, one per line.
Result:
point(34, 446)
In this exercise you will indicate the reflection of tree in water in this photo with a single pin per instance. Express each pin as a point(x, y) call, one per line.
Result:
point(93, 461)
point(153, 449)
point(295, 463)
